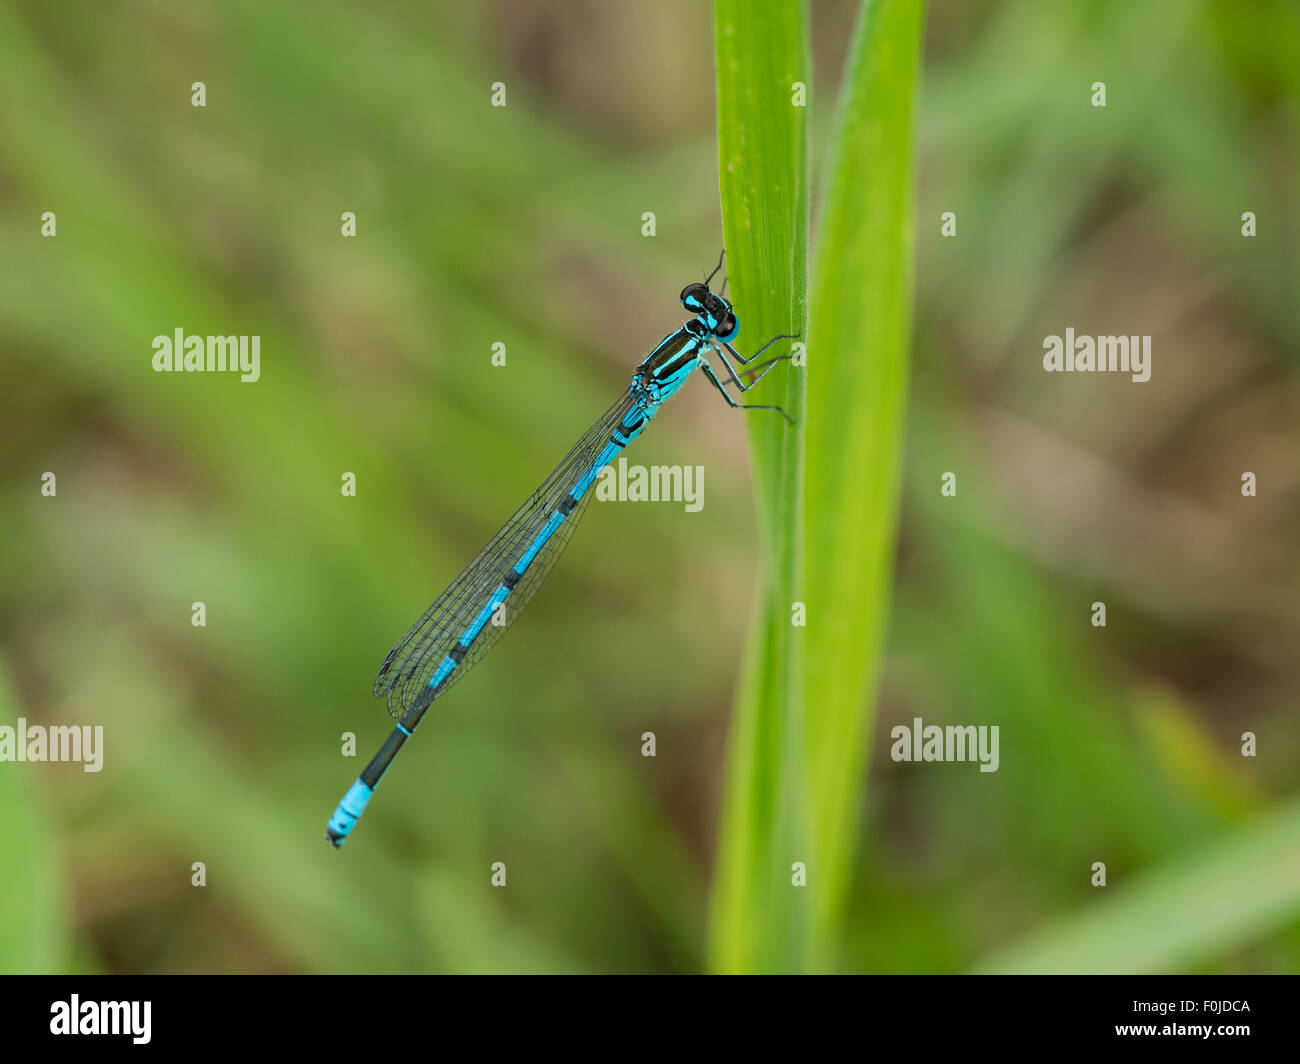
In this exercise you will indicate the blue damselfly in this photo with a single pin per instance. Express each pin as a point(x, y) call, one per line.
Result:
point(468, 618)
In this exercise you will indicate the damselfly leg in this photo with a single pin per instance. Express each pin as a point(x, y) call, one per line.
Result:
point(708, 372)
point(746, 361)
point(716, 269)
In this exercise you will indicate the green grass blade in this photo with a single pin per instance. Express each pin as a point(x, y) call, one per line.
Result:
point(758, 920)
point(857, 375)
point(1218, 899)
point(32, 935)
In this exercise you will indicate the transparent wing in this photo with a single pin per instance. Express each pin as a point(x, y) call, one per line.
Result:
point(407, 668)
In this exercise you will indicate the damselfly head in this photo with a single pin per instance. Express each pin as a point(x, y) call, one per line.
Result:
point(694, 296)
point(713, 309)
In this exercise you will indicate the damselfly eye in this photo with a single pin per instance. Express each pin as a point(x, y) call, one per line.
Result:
point(727, 329)
point(694, 295)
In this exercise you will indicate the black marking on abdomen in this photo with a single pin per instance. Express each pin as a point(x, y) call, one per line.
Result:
point(626, 431)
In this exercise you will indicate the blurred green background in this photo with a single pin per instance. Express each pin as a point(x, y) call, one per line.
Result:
point(523, 226)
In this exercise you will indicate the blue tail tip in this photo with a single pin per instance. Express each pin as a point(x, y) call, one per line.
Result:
point(347, 813)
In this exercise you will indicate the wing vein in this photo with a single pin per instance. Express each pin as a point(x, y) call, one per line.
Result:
point(415, 657)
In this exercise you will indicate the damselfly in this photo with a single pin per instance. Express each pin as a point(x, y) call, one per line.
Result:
point(467, 619)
